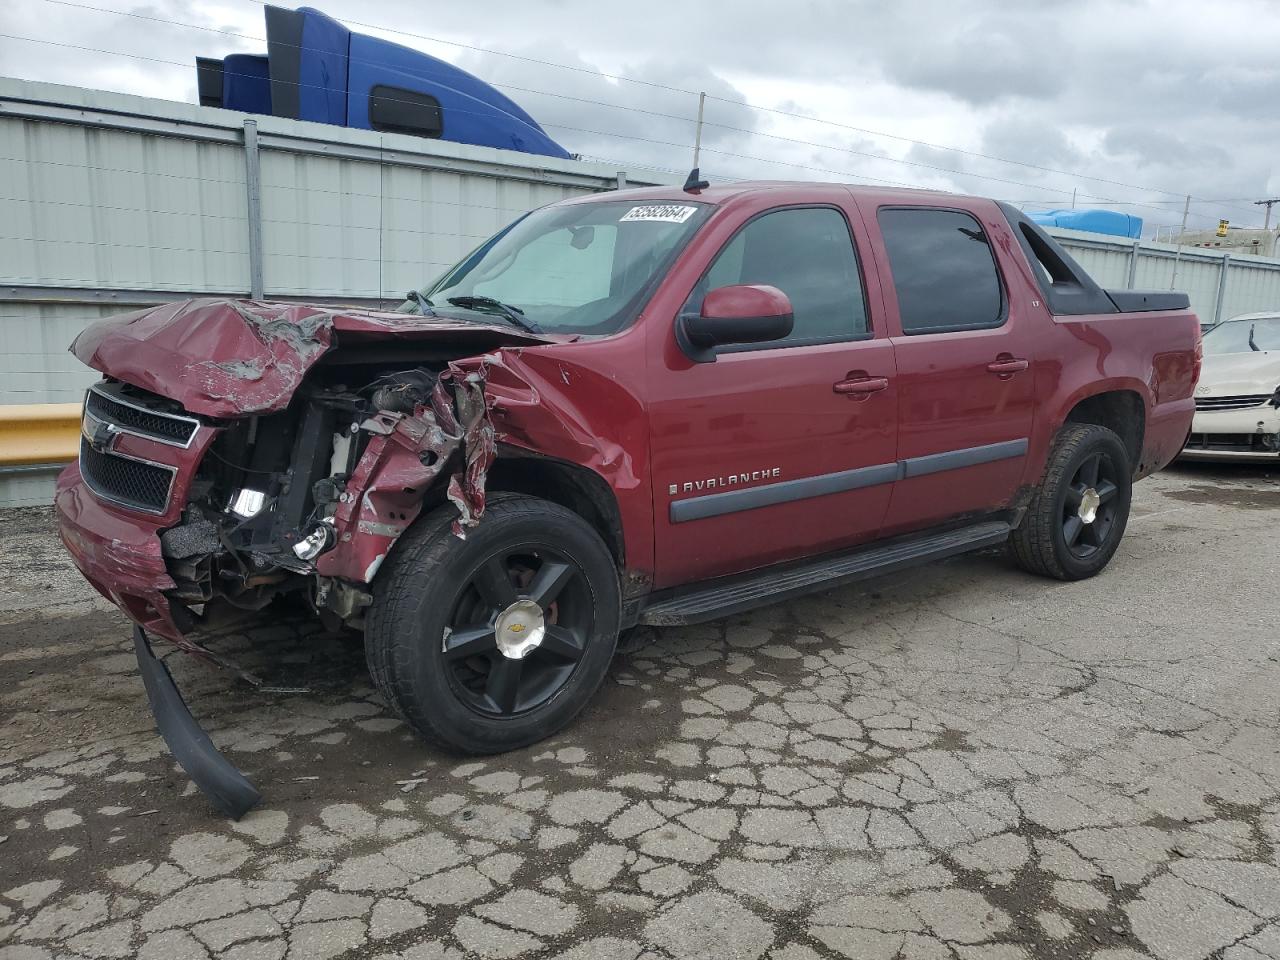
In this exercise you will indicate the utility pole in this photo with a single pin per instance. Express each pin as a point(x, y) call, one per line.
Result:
point(697, 135)
point(1177, 254)
point(1266, 223)
point(1073, 198)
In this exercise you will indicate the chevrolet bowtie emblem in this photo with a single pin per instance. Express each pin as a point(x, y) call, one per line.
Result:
point(516, 628)
point(104, 436)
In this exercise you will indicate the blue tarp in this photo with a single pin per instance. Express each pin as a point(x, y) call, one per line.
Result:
point(1091, 221)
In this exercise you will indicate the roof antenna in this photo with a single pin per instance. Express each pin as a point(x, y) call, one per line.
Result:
point(695, 183)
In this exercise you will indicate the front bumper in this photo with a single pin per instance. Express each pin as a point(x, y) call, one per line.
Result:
point(226, 787)
point(118, 553)
point(1248, 434)
point(1245, 456)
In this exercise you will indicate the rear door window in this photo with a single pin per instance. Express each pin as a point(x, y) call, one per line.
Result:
point(943, 270)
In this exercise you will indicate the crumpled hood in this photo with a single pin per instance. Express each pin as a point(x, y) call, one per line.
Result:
point(1239, 374)
point(231, 358)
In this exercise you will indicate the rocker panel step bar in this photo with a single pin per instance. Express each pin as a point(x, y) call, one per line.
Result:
point(727, 596)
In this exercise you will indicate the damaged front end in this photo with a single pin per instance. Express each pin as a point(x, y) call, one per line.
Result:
point(310, 499)
point(315, 437)
point(238, 452)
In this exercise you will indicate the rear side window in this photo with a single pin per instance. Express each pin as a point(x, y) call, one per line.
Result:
point(943, 270)
point(808, 254)
point(397, 110)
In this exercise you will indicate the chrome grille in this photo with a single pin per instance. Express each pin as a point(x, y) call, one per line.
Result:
point(1232, 403)
point(133, 483)
point(112, 410)
point(127, 416)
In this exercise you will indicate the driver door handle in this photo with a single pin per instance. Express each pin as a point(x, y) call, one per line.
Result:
point(861, 385)
point(1007, 365)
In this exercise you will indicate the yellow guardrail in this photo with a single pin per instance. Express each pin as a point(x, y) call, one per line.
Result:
point(34, 433)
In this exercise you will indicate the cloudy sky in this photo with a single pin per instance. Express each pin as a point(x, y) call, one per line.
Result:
point(1120, 100)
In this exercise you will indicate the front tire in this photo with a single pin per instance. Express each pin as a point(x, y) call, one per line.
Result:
point(497, 641)
point(1079, 512)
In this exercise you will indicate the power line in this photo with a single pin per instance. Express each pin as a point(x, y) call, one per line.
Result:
point(750, 106)
point(1266, 223)
point(828, 170)
point(602, 103)
point(598, 133)
point(970, 153)
point(604, 133)
point(691, 93)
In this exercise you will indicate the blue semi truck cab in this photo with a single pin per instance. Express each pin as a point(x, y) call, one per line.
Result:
point(316, 69)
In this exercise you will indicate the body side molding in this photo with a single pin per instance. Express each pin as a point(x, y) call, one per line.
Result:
point(787, 491)
point(966, 457)
point(733, 501)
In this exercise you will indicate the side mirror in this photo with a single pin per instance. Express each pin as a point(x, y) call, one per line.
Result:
point(743, 313)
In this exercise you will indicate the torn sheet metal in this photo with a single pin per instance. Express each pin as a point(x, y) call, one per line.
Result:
point(543, 403)
point(579, 411)
point(466, 488)
point(405, 454)
point(229, 358)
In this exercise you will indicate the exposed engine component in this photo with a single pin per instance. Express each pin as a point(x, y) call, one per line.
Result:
point(275, 491)
point(403, 390)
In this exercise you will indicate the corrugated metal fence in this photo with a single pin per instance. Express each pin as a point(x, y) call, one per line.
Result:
point(110, 202)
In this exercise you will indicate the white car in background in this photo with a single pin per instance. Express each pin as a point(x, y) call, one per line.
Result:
point(1238, 397)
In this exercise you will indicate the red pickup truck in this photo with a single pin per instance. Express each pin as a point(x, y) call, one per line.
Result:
point(647, 407)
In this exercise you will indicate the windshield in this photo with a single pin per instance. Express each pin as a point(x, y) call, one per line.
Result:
point(1233, 336)
point(581, 268)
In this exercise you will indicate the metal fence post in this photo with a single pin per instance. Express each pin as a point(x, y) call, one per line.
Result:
point(1133, 265)
point(622, 179)
point(1222, 288)
point(253, 189)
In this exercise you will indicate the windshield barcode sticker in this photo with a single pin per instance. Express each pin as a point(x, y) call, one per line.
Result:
point(663, 213)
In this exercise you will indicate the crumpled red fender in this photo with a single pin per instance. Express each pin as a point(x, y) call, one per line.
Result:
point(402, 459)
point(540, 402)
point(526, 399)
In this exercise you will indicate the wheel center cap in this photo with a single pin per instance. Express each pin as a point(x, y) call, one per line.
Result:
point(1089, 503)
point(520, 629)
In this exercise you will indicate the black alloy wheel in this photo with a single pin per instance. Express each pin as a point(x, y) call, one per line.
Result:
point(518, 630)
point(497, 640)
point(1090, 505)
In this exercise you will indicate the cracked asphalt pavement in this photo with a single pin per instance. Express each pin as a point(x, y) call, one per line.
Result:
point(959, 761)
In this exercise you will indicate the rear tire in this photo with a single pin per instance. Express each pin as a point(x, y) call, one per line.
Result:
point(1078, 514)
point(497, 641)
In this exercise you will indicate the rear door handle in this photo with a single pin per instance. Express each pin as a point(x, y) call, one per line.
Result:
point(861, 385)
point(1008, 365)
